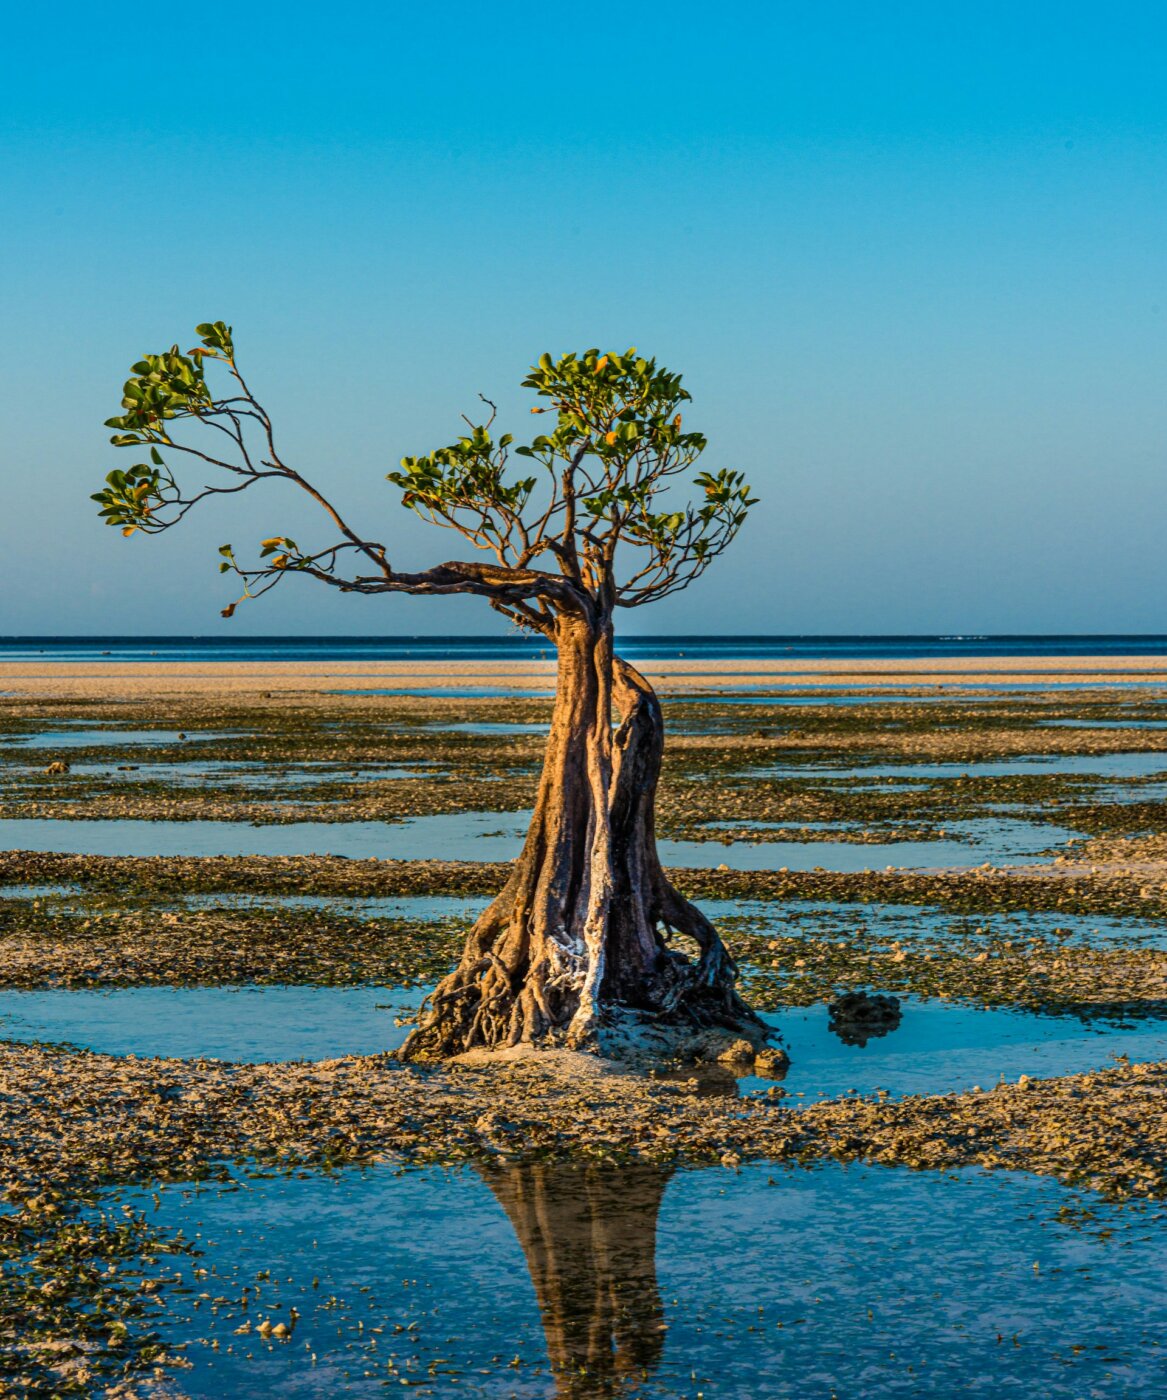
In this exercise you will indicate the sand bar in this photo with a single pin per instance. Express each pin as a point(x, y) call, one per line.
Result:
point(154, 678)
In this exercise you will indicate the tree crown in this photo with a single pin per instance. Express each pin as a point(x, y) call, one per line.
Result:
point(550, 524)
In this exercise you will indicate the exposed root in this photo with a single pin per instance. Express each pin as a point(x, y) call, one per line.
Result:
point(583, 926)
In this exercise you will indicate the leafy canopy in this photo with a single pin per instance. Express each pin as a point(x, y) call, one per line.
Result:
point(551, 515)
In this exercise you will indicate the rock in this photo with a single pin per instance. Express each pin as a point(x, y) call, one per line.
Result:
point(737, 1052)
point(857, 1017)
point(771, 1063)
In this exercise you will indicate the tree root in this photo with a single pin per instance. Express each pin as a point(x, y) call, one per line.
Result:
point(582, 927)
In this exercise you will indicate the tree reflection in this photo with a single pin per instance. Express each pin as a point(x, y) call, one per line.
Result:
point(589, 1237)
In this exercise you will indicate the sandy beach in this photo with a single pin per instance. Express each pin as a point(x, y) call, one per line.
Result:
point(150, 678)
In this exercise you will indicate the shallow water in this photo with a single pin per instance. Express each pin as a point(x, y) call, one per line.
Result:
point(459, 692)
point(1004, 841)
point(883, 922)
point(1105, 723)
point(876, 922)
point(39, 891)
point(760, 1284)
point(228, 774)
point(78, 738)
point(735, 697)
point(482, 836)
point(938, 1046)
point(495, 836)
point(224, 1023)
point(486, 727)
point(511, 646)
point(1105, 765)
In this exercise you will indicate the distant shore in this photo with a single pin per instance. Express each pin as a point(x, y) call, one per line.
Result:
point(136, 679)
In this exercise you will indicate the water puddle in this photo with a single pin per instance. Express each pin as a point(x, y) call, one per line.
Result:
point(735, 697)
point(1102, 765)
point(498, 836)
point(936, 1047)
point(872, 922)
point(1104, 723)
point(885, 923)
point(1000, 842)
point(227, 774)
point(92, 738)
point(224, 1023)
point(421, 906)
point(484, 836)
point(593, 1282)
point(35, 892)
point(889, 923)
point(486, 727)
point(457, 692)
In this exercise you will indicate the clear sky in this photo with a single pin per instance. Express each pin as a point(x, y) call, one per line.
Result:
point(911, 259)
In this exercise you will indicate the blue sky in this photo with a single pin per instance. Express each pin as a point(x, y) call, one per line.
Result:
point(910, 258)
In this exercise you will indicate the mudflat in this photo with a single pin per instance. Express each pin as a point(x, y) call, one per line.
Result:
point(228, 886)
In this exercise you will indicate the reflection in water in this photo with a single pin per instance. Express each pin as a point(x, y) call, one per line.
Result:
point(589, 1237)
point(857, 1017)
point(705, 1078)
point(777, 1283)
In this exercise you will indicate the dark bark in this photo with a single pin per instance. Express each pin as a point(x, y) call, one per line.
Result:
point(584, 922)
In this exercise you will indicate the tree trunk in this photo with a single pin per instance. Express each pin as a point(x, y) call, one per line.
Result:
point(589, 1237)
point(582, 924)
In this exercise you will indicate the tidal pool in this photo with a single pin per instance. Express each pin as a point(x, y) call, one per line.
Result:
point(736, 698)
point(501, 726)
point(937, 1047)
point(1106, 723)
point(795, 917)
point(784, 916)
point(251, 1024)
point(1104, 765)
point(456, 692)
point(228, 774)
point(498, 836)
point(593, 1282)
point(92, 738)
point(416, 906)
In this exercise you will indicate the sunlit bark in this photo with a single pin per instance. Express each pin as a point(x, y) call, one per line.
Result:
point(585, 922)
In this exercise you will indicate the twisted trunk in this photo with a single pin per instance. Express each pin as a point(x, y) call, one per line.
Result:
point(584, 920)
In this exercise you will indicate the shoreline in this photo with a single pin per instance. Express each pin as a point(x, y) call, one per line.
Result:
point(23, 679)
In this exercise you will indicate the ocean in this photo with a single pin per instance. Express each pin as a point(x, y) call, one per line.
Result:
point(510, 647)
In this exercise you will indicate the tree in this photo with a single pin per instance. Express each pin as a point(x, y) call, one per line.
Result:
point(587, 920)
